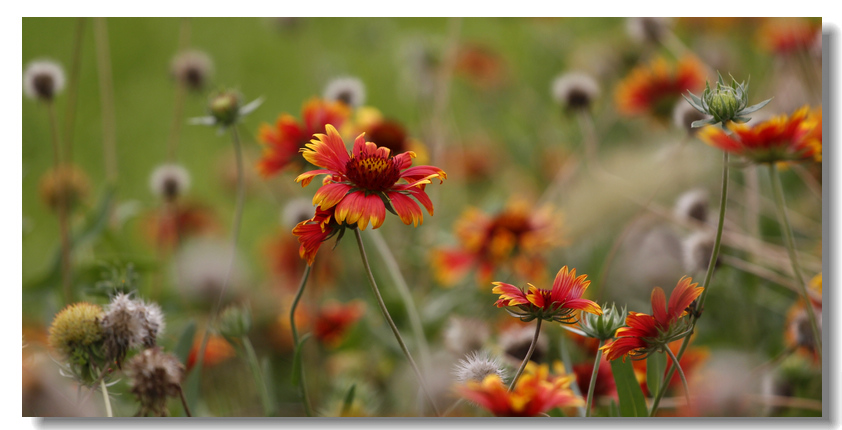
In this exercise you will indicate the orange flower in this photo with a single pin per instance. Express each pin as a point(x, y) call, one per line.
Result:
point(655, 88)
point(513, 236)
point(646, 333)
point(535, 393)
point(282, 143)
point(334, 319)
point(814, 138)
point(217, 351)
point(363, 184)
point(557, 304)
point(784, 36)
point(314, 231)
point(782, 138)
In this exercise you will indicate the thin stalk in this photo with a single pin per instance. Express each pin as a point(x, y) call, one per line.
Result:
point(258, 375)
point(63, 224)
point(106, 90)
point(453, 407)
point(793, 258)
point(406, 296)
point(680, 373)
point(184, 402)
point(73, 88)
point(105, 398)
point(180, 92)
point(528, 355)
point(723, 199)
point(303, 389)
point(392, 325)
point(593, 379)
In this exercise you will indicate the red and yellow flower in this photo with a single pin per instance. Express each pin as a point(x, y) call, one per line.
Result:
point(788, 35)
point(782, 138)
point(386, 132)
point(814, 138)
point(647, 333)
point(362, 184)
point(535, 392)
point(283, 142)
point(557, 304)
point(656, 87)
point(334, 320)
point(515, 237)
point(312, 232)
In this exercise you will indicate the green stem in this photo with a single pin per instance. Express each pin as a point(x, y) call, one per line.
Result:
point(180, 92)
point(73, 89)
point(680, 373)
point(528, 355)
point(258, 376)
point(106, 89)
point(392, 325)
point(793, 257)
point(105, 398)
point(723, 199)
point(303, 388)
point(593, 379)
point(63, 207)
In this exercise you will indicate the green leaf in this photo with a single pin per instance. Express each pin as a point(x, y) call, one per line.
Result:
point(754, 108)
point(349, 399)
point(296, 360)
point(703, 122)
point(632, 402)
point(656, 365)
point(613, 411)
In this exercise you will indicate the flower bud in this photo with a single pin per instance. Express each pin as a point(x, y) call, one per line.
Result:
point(235, 321)
point(723, 103)
point(225, 107)
point(603, 326)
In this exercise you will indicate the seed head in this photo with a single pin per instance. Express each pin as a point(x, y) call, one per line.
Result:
point(692, 205)
point(43, 80)
point(154, 376)
point(128, 324)
point(478, 365)
point(66, 184)
point(235, 322)
point(346, 89)
point(575, 90)
point(697, 249)
point(77, 337)
point(169, 181)
point(192, 68)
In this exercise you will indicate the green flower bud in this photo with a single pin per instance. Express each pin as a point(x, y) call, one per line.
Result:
point(235, 321)
point(225, 107)
point(725, 103)
point(603, 326)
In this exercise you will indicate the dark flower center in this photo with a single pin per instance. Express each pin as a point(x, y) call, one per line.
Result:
point(44, 86)
point(389, 134)
point(372, 172)
point(578, 99)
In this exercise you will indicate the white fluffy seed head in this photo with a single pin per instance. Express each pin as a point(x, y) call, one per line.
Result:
point(347, 89)
point(696, 250)
point(168, 181)
point(43, 79)
point(153, 321)
point(477, 365)
point(575, 90)
point(192, 68)
point(692, 206)
point(122, 327)
point(465, 335)
point(647, 29)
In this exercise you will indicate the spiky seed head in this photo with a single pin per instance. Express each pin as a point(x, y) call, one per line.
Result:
point(43, 80)
point(128, 324)
point(477, 365)
point(346, 89)
point(154, 376)
point(65, 185)
point(575, 90)
point(168, 181)
point(77, 337)
point(192, 68)
point(603, 326)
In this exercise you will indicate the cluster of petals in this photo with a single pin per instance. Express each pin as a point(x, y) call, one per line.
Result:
point(644, 333)
point(556, 304)
point(654, 88)
point(535, 393)
point(782, 138)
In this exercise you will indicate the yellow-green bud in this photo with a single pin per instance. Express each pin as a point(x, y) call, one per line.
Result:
point(235, 321)
point(723, 103)
point(603, 326)
point(225, 107)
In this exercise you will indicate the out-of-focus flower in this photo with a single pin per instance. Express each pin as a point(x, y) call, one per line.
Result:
point(226, 108)
point(128, 324)
point(684, 115)
point(799, 333)
point(169, 226)
point(692, 205)
point(283, 142)
point(693, 359)
point(463, 336)
point(787, 35)
point(385, 132)
point(43, 79)
point(575, 90)
point(168, 181)
point(697, 249)
point(76, 335)
point(724, 103)
point(66, 184)
point(604, 387)
point(515, 342)
point(557, 304)
point(535, 393)
point(603, 326)
point(202, 265)
point(334, 319)
point(192, 69)
point(346, 89)
point(723, 387)
point(477, 366)
point(645, 334)
point(154, 376)
point(514, 237)
point(281, 330)
point(482, 67)
point(654, 88)
point(814, 138)
point(782, 138)
point(217, 351)
point(361, 185)
point(235, 321)
point(314, 231)
point(647, 29)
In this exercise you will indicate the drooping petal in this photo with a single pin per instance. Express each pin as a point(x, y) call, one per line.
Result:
point(373, 210)
point(306, 177)
point(350, 209)
point(510, 295)
point(622, 347)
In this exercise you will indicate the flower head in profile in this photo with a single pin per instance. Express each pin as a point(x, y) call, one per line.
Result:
point(782, 138)
point(535, 393)
point(645, 334)
point(225, 108)
point(363, 184)
point(654, 88)
point(283, 142)
point(557, 304)
point(43, 79)
point(514, 237)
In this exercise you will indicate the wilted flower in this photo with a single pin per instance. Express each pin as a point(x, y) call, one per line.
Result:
point(66, 184)
point(477, 366)
point(129, 323)
point(154, 376)
point(602, 326)
point(514, 237)
point(647, 29)
point(782, 138)
point(192, 69)
point(654, 88)
point(575, 90)
point(334, 319)
point(225, 108)
point(347, 89)
point(465, 335)
point(77, 336)
point(282, 144)
point(724, 103)
point(43, 80)
point(169, 181)
point(558, 304)
point(645, 334)
point(363, 183)
point(535, 393)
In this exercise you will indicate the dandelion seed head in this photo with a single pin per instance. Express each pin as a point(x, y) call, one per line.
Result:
point(192, 68)
point(465, 335)
point(575, 90)
point(128, 324)
point(43, 80)
point(693, 205)
point(346, 89)
point(168, 181)
point(477, 365)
